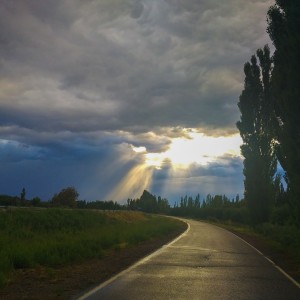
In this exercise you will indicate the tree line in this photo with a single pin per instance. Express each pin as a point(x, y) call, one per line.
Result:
point(149, 203)
point(212, 207)
point(7, 200)
point(218, 206)
point(269, 124)
point(68, 198)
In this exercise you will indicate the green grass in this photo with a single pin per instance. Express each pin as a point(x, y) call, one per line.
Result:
point(54, 237)
point(285, 238)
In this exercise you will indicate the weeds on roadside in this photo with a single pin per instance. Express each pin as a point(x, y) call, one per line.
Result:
point(53, 237)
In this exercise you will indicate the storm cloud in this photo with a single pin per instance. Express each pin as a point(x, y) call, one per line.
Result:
point(82, 82)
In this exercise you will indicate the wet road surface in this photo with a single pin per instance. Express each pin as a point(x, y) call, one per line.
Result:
point(207, 262)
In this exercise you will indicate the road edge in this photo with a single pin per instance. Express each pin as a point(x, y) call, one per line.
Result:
point(296, 283)
point(139, 262)
point(290, 278)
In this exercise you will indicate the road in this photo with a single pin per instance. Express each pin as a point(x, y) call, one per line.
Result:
point(207, 262)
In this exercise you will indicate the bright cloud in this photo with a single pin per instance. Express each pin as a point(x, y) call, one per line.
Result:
point(198, 148)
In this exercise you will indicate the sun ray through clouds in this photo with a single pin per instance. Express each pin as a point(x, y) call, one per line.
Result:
point(178, 167)
point(136, 180)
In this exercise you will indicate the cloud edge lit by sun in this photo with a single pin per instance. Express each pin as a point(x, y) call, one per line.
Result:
point(194, 148)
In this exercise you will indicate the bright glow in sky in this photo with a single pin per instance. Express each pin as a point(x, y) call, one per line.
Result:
point(195, 148)
point(199, 148)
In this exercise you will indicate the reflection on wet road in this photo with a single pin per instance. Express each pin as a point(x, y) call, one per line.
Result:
point(207, 262)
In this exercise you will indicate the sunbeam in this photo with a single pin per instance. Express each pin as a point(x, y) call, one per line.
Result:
point(133, 183)
point(174, 166)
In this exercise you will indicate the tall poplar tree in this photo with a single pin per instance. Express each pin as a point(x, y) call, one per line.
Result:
point(284, 31)
point(255, 129)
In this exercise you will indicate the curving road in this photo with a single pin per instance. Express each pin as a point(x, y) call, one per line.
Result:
point(207, 262)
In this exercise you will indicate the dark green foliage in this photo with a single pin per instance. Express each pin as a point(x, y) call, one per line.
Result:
point(270, 123)
point(103, 205)
point(36, 201)
point(284, 31)
point(149, 203)
point(281, 215)
point(287, 237)
point(23, 195)
point(66, 197)
point(217, 207)
point(6, 200)
point(256, 130)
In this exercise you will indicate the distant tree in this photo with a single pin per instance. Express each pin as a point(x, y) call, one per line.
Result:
point(284, 31)
point(103, 205)
point(190, 202)
point(162, 205)
point(181, 202)
point(148, 202)
point(22, 196)
point(208, 200)
point(66, 197)
point(7, 200)
point(256, 130)
point(217, 201)
point(131, 204)
point(36, 201)
point(197, 201)
point(81, 204)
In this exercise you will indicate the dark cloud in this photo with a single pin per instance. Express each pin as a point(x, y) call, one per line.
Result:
point(12, 152)
point(179, 65)
point(77, 77)
point(137, 9)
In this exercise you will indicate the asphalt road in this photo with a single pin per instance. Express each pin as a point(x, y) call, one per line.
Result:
point(207, 262)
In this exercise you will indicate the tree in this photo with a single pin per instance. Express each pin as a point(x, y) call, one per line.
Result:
point(148, 202)
point(255, 126)
point(36, 201)
point(22, 196)
point(66, 197)
point(284, 30)
point(162, 205)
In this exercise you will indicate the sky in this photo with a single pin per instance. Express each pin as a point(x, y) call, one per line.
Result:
point(117, 96)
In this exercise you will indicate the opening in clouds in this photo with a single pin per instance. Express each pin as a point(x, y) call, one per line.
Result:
point(198, 148)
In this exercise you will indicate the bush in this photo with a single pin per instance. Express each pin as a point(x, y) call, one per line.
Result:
point(280, 215)
point(287, 236)
point(66, 197)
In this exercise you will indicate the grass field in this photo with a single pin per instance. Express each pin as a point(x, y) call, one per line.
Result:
point(54, 237)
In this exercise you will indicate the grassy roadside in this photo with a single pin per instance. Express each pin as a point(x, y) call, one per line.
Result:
point(279, 243)
point(32, 238)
